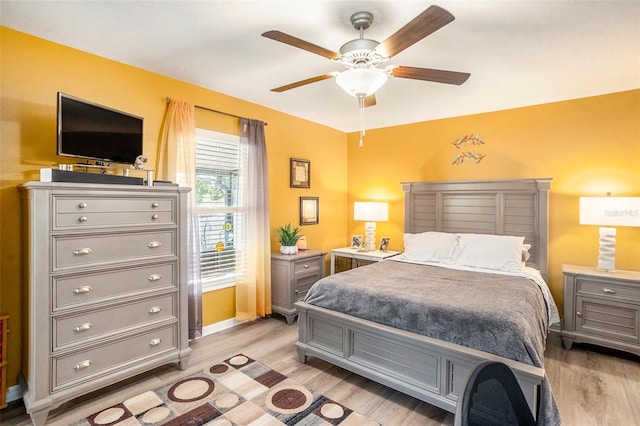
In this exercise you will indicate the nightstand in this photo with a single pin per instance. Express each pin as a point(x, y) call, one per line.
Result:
point(359, 258)
point(601, 308)
point(291, 277)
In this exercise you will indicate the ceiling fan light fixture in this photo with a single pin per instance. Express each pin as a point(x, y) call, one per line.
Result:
point(361, 82)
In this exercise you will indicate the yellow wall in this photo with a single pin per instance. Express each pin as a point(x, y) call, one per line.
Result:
point(588, 146)
point(34, 70)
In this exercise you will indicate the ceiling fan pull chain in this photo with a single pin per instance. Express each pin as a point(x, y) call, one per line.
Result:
point(361, 106)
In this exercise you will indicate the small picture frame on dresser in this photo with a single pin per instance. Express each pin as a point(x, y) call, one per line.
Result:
point(384, 244)
point(356, 241)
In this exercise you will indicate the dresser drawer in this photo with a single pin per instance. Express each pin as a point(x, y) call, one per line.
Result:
point(613, 320)
point(71, 369)
point(89, 212)
point(607, 288)
point(305, 265)
point(79, 290)
point(104, 249)
point(73, 329)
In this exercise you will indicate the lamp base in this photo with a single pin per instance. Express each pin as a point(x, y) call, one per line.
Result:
point(606, 256)
point(369, 236)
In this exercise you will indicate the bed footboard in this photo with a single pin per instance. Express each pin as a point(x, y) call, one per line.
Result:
point(425, 368)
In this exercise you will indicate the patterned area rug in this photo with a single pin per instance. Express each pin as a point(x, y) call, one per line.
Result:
point(238, 391)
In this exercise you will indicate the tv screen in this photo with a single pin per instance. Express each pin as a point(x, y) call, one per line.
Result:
point(96, 132)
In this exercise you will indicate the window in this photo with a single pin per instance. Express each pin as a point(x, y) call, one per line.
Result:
point(219, 161)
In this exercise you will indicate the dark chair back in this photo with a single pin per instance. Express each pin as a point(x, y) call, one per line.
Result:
point(491, 395)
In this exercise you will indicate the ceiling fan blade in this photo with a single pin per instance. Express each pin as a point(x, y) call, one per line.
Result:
point(370, 100)
point(421, 26)
point(439, 76)
point(300, 44)
point(302, 82)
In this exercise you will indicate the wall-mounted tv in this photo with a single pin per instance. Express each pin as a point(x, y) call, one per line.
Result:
point(96, 132)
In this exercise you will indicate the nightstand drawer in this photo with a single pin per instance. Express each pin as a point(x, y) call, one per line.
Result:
point(608, 319)
point(303, 284)
point(306, 265)
point(596, 287)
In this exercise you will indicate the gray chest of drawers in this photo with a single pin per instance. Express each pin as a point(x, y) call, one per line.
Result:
point(104, 287)
point(601, 308)
point(291, 277)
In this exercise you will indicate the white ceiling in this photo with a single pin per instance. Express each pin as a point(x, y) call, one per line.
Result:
point(519, 53)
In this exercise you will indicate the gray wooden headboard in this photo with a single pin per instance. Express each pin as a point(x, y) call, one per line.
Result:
point(502, 207)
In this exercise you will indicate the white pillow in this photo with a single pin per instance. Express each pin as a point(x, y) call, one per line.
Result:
point(430, 246)
point(525, 252)
point(499, 252)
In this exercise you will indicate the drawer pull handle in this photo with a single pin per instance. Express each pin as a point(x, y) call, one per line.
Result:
point(579, 313)
point(83, 219)
point(82, 205)
point(154, 217)
point(155, 342)
point(154, 244)
point(155, 277)
point(306, 266)
point(83, 364)
point(154, 310)
point(609, 291)
point(83, 289)
point(82, 251)
point(83, 327)
point(154, 205)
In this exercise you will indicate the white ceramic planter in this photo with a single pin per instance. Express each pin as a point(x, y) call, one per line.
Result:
point(288, 249)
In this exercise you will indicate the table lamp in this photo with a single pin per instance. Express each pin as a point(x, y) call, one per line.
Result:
point(608, 212)
point(371, 212)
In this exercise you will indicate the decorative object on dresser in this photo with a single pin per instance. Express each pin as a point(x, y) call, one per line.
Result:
point(371, 212)
point(291, 278)
point(288, 235)
point(105, 287)
point(607, 212)
point(346, 258)
point(601, 308)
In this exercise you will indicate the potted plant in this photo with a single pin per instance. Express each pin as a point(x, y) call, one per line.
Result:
point(288, 236)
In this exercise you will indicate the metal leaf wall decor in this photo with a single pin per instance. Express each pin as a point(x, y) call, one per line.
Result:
point(467, 156)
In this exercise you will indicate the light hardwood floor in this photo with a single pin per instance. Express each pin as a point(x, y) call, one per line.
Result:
point(593, 386)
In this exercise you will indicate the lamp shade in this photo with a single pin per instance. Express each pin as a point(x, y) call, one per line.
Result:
point(371, 211)
point(610, 211)
point(361, 82)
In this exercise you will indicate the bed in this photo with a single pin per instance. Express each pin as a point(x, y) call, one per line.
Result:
point(392, 352)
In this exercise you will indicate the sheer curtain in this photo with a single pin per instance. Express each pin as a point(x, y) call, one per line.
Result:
point(253, 289)
point(177, 163)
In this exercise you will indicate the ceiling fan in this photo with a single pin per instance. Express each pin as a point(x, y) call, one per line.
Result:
point(362, 56)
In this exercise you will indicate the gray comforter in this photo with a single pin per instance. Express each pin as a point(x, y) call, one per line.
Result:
point(499, 314)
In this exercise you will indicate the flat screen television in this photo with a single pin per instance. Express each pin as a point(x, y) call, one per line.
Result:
point(96, 132)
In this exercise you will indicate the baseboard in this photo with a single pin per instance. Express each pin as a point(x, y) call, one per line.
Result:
point(219, 326)
point(14, 393)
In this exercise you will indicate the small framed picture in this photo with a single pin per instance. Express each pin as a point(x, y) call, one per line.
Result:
point(300, 173)
point(384, 243)
point(356, 241)
point(309, 211)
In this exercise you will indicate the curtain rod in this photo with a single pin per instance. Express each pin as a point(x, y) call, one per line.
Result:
point(168, 99)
